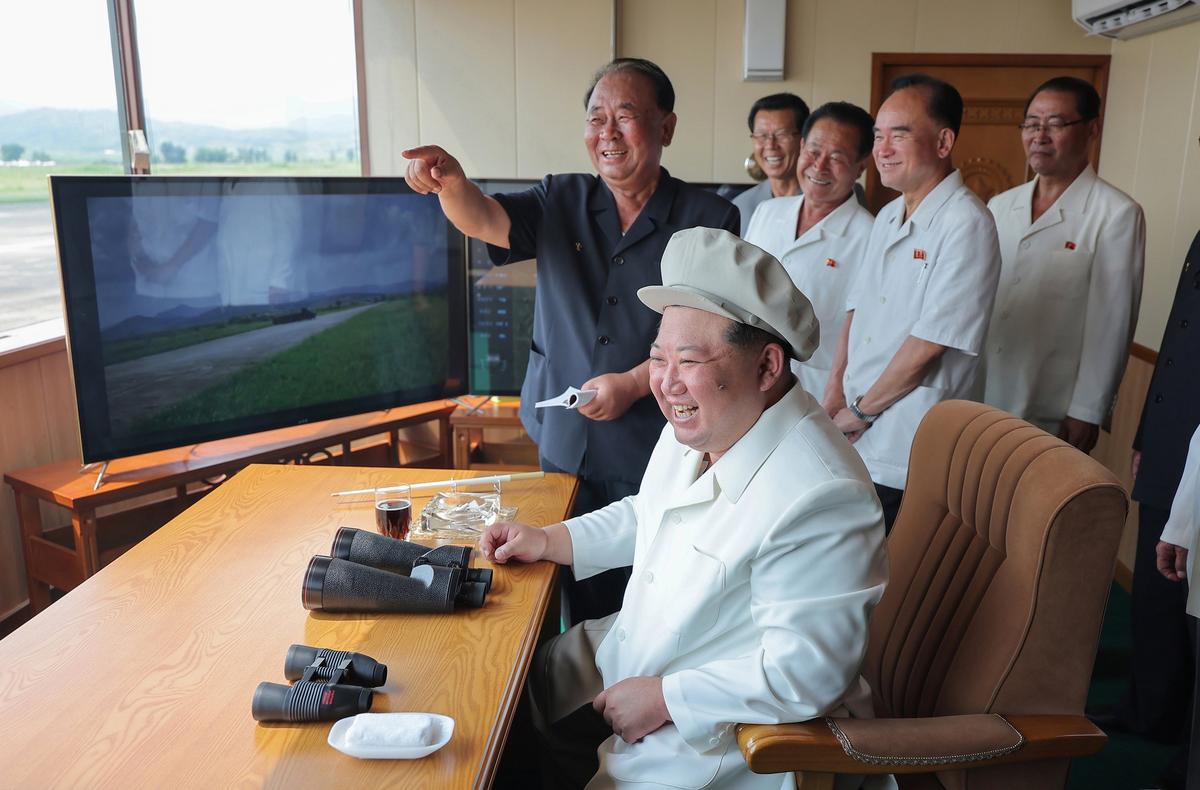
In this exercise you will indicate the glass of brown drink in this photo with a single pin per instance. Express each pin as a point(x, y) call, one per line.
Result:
point(393, 511)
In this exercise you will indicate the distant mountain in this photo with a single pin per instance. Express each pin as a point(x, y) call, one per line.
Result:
point(178, 317)
point(67, 134)
point(87, 132)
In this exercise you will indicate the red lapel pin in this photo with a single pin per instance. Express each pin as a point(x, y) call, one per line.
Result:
point(918, 255)
point(831, 263)
point(1070, 245)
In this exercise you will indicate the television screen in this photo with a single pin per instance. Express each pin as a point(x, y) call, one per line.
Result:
point(501, 312)
point(205, 307)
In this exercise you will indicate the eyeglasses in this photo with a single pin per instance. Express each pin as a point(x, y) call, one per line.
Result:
point(779, 136)
point(1053, 127)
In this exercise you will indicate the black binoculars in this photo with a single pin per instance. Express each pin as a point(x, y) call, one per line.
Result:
point(329, 685)
point(333, 666)
point(368, 572)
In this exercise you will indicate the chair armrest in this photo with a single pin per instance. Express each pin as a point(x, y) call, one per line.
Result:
point(813, 746)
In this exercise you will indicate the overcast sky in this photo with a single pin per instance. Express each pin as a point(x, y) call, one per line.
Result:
point(235, 63)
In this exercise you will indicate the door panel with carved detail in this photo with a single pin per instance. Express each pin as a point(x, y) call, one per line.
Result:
point(994, 90)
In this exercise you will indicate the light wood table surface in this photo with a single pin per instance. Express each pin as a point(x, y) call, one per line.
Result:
point(142, 676)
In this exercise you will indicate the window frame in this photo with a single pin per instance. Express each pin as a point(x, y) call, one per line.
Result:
point(131, 117)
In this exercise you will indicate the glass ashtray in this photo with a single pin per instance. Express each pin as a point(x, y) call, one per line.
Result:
point(459, 513)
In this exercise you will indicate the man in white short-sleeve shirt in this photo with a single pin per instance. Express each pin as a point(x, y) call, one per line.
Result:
point(1074, 248)
point(919, 309)
point(820, 235)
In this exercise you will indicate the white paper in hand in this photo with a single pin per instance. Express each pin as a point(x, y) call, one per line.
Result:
point(570, 399)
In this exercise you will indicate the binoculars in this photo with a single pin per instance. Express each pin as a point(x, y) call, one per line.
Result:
point(329, 685)
point(368, 572)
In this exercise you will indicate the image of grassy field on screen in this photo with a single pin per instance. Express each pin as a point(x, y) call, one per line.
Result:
point(126, 349)
point(393, 345)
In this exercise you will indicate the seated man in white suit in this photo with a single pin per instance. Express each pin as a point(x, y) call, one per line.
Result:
point(756, 541)
point(820, 235)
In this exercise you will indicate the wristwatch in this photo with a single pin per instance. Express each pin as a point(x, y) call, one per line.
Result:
point(867, 418)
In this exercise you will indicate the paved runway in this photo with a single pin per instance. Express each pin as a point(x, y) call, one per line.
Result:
point(146, 385)
point(29, 286)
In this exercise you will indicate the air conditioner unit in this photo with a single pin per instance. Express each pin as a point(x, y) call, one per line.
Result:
point(1124, 20)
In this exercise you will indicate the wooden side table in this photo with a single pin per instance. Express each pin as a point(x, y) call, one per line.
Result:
point(64, 557)
point(491, 437)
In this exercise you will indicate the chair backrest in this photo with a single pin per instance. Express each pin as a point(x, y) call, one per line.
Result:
point(1001, 560)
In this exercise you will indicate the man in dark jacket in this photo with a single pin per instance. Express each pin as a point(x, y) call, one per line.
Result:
point(1156, 704)
point(597, 240)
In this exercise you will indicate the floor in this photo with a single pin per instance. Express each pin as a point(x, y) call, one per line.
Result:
point(1127, 762)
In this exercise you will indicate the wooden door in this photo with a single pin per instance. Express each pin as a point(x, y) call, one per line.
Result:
point(994, 90)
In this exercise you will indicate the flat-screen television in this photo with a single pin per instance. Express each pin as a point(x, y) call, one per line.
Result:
point(200, 308)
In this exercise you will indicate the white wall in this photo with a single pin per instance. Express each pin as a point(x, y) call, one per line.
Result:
point(499, 83)
point(828, 46)
point(1151, 151)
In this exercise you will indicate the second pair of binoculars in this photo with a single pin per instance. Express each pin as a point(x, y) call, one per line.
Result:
point(328, 685)
point(369, 572)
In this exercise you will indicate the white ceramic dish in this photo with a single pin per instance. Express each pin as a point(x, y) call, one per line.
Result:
point(443, 729)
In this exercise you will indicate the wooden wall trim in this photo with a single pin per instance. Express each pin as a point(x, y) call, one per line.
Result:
point(1138, 351)
point(1123, 576)
point(880, 61)
point(42, 348)
point(360, 68)
point(991, 59)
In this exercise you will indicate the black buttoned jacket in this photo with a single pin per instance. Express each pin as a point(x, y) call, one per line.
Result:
point(587, 317)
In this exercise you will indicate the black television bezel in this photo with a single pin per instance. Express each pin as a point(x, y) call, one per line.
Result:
point(69, 195)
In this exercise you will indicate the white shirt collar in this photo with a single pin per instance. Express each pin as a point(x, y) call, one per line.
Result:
point(737, 467)
point(835, 222)
point(932, 203)
point(1074, 199)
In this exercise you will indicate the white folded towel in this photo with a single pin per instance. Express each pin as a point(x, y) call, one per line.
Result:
point(391, 729)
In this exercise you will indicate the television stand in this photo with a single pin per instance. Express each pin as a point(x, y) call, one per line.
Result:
point(488, 435)
point(155, 487)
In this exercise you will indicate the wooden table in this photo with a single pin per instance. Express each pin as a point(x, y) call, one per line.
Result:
point(142, 676)
point(50, 562)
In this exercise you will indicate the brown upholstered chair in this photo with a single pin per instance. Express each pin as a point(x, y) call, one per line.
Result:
point(1001, 560)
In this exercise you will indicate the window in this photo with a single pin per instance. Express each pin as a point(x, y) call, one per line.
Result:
point(259, 87)
point(58, 114)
